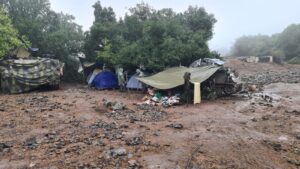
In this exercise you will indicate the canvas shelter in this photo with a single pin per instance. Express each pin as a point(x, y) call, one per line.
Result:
point(18, 76)
point(105, 80)
point(173, 77)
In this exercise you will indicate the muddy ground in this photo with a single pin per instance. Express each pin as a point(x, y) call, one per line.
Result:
point(75, 127)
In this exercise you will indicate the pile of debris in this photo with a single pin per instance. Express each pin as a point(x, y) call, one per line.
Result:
point(292, 76)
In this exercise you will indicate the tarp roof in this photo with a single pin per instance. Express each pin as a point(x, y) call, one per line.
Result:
point(173, 77)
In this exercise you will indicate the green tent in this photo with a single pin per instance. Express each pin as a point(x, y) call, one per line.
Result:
point(173, 77)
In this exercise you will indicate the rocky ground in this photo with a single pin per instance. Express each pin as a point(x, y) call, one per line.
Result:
point(76, 127)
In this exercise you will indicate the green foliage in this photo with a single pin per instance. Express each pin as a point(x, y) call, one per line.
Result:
point(106, 55)
point(154, 38)
point(289, 41)
point(8, 34)
point(284, 45)
point(53, 33)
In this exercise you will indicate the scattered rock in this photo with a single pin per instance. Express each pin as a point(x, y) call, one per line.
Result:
point(135, 141)
point(293, 161)
point(265, 117)
point(175, 126)
point(145, 113)
point(31, 143)
point(118, 106)
point(254, 119)
point(133, 164)
point(274, 145)
point(4, 147)
point(293, 112)
point(118, 152)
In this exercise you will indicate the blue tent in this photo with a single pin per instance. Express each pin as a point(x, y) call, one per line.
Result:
point(134, 83)
point(105, 80)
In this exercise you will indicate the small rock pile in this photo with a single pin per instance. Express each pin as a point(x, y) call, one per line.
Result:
point(144, 112)
point(111, 130)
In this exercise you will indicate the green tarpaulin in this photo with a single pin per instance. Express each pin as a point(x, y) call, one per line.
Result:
point(173, 77)
point(18, 76)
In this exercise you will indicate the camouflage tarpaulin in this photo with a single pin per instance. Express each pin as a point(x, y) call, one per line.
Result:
point(173, 77)
point(19, 76)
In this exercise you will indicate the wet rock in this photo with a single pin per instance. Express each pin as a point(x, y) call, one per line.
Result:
point(31, 143)
point(293, 161)
point(107, 103)
point(88, 141)
point(124, 126)
point(135, 141)
point(175, 126)
point(116, 153)
point(274, 145)
point(254, 119)
point(60, 144)
point(293, 112)
point(132, 163)
point(101, 143)
point(50, 136)
point(2, 108)
point(118, 106)
point(4, 147)
point(265, 117)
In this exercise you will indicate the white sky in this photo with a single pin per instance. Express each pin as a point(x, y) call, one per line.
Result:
point(235, 17)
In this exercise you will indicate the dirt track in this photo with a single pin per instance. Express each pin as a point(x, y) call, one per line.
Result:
point(71, 128)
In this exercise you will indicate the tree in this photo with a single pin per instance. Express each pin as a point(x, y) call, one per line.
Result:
point(284, 45)
point(8, 34)
point(289, 41)
point(104, 27)
point(154, 38)
point(53, 33)
point(29, 17)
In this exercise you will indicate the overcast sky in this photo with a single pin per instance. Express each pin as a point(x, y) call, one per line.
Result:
point(235, 17)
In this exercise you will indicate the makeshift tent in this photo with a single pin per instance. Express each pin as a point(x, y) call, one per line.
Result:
point(105, 80)
point(173, 77)
point(18, 76)
point(134, 83)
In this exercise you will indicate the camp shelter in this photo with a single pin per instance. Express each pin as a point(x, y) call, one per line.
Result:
point(18, 75)
point(173, 77)
point(92, 76)
point(105, 80)
point(134, 83)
